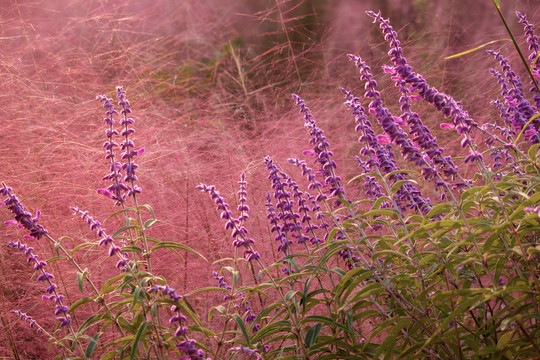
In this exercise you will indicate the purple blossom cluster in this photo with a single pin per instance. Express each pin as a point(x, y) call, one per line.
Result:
point(28, 319)
point(189, 347)
point(449, 107)
point(238, 231)
point(250, 316)
point(177, 318)
point(296, 214)
point(390, 124)
point(61, 310)
point(517, 110)
point(22, 217)
point(250, 353)
point(120, 188)
point(534, 48)
point(321, 151)
point(117, 190)
point(106, 240)
point(381, 156)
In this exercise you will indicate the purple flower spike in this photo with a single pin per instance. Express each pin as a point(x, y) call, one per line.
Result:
point(127, 145)
point(60, 309)
point(517, 109)
point(24, 218)
point(28, 319)
point(385, 118)
point(534, 48)
point(106, 240)
point(251, 353)
point(238, 231)
point(441, 101)
point(381, 156)
point(117, 190)
point(321, 150)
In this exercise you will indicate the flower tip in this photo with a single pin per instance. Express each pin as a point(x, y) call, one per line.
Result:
point(447, 126)
point(105, 192)
point(140, 151)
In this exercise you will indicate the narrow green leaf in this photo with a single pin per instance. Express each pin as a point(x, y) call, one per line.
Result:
point(240, 322)
point(137, 339)
point(504, 340)
point(80, 279)
point(124, 228)
point(78, 303)
point(474, 49)
point(92, 345)
point(311, 335)
point(110, 355)
point(173, 245)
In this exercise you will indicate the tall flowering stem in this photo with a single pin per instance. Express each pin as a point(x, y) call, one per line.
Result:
point(381, 156)
point(238, 232)
point(534, 48)
point(117, 190)
point(441, 101)
point(322, 150)
point(106, 240)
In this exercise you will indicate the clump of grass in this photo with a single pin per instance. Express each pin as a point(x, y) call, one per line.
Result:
point(388, 274)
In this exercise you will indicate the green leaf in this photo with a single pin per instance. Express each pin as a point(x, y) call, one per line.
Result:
point(398, 184)
point(474, 49)
point(124, 228)
point(92, 345)
point(240, 322)
point(311, 335)
point(80, 279)
point(137, 339)
point(149, 223)
point(110, 355)
point(173, 245)
point(504, 340)
point(81, 246)
point(78, 303)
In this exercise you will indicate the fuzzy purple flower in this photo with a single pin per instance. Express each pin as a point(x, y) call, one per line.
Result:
point(441, 101)
point(61, 310)
point(117, 190)
point(127, 145)
point(251, 353)
point(534, 48)
point(517, 107)
point(23, 217)
point(106, 240)
point(238, 231)
point(385, 118)
point(381, 156)
point(28, 319)
point(321, 150)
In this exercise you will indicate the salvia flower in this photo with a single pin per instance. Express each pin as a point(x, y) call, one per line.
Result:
point(189, 347)
point(28, 319)
point(47, 278)
point(23, 217)
point(106, 240)
point(534, 48)
point(238, 232)
point(517, 106)
point(117, 190)
point(449, 107)
point(127, 146)
point(321, 150)
point(385, 118)
point(177, 318)
point(381, 156)
point(251, 353)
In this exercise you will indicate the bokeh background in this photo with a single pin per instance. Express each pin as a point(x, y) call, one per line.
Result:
point(210, 84)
